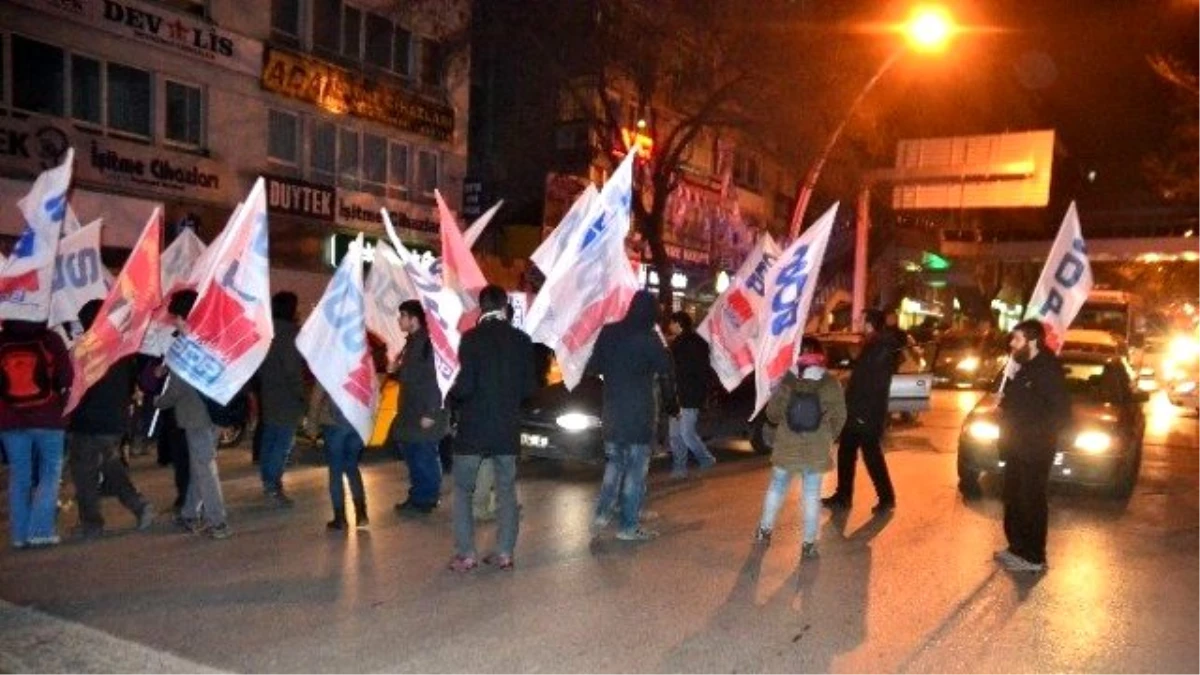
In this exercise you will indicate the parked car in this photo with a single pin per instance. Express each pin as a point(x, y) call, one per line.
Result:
point(967, 360)
point(1103, 447)
point(911, 384)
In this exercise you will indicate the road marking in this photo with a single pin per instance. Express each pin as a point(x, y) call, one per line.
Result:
point(35, 642)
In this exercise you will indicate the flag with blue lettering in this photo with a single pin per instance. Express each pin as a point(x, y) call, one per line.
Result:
point(1064, 284)
point(790, 284)
point(387, 286)
point(229, 331)
point(79, 274)
point(591, 282)
point(732, 327)
point(552, 247)
point(28, 272)
point(334, 342)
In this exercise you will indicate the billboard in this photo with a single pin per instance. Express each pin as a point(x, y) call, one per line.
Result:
point(973, 172)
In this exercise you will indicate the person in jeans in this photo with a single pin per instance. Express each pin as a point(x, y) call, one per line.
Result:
point(283, 401)
point(35, 374)
point(422, 421)
point(203, 511)
point(633, 361)
point(802, 453)
point(497, 375)
point(689, 352)
point(343, 448)
point(95, 437)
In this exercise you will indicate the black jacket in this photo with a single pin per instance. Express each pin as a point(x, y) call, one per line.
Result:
point(419, 392)
point(870, 384)
point(104, 409)
point(497, 375)
point(689, 351)
point(631, 358)
point(1035, 410)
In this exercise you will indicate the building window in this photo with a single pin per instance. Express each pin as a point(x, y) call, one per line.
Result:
point(431, 64)
point(285, 18)
point(185, 114)
point(327, 25)
point(746, 171)
point(283, 137)
point(398, 171)
point(374, 164)
point(129, 100)
point(38, 77)
point(427, 172)
point(402, 54)
point(378, 50)
point(352, 34)
point(87, 92)
point(323, 153)
point(348, 158)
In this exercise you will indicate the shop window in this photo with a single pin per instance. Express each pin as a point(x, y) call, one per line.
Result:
point(283, 137)
point(130, 100)
point(184, 114)
point(38, 77)
point(87, 92)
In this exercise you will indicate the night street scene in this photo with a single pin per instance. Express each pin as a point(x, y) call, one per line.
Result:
point(505, 336)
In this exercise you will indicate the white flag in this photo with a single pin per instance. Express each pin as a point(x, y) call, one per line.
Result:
point(28, 273)
point(791, 282)
point(79, 274)
point(550, 249)
point(387, 286)
point(475, 231)
point(334, 342)
point(732, 326)
point(178, 261)
point(1064, 284)
point(230, 328)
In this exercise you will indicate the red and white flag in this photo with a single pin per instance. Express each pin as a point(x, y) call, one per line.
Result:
point(230, 329)
point(591, 283)
point(79, 274)
point(791, 282)
point(334, 342)
point(178, 261)
point(28, 273)
point(125, 315)
point(460, 270)
point(732, 325)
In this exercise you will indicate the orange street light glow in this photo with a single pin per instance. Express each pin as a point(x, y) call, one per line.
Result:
point(929, 28)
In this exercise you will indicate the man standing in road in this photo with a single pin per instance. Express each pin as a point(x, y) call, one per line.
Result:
point(631, 358)
point(689, 351)
point(867, 412)
point(1034, 411)
point(281, 379)
point(421, 422)
point(496, 377)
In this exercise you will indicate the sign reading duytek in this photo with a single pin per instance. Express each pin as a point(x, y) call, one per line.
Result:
point(156, 25)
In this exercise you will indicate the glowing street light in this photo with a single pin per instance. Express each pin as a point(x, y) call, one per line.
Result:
point(929, 29)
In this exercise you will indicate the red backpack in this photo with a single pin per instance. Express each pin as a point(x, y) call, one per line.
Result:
point(26, 374)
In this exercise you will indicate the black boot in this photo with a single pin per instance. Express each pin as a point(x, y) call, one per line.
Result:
point(339, 520)
point(360, 514)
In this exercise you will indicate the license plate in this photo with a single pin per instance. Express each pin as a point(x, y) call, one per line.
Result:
point(534, 441)
point(1058, 458)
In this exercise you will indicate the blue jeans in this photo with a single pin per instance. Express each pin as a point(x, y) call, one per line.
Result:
point(277, 442)
point(33, 511)
point(343, 446)
point(625, 472)
point(810, 500)
point(684, 439)
point(424, 472)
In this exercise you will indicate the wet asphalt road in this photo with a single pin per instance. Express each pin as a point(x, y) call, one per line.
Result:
point(913, 592)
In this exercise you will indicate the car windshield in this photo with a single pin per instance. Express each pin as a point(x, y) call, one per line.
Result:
point(1098, 382)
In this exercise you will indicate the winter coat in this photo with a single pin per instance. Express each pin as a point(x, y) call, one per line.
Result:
point(1035, 410)
point(104, 408)
point(689, 352)
point(870, 385)
point(497, 375)
point(47, 415)
point(631, 358)
point(190, 410)
point(419, 392)
point(281, 379)
point(806, 452)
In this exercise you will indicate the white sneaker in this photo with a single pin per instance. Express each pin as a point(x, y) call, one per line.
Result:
point(598, 525)
point(638, 534)
point(1019, 564)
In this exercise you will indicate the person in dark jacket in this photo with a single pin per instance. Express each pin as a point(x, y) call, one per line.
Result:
point(689, 352)
point(422, 421)
point(1034, 411)
point(866, 416)
point(497, 375)
point(283, 402)
point(37, 373)
point(94, 439)
point(634, 363)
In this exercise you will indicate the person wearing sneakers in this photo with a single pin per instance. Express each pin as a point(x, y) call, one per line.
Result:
point(634, 363)
point(689, 353)
point(497, 375)
point(343, 447)
point(94, 439)
point(1034, 412)
point(203, 511)
point(809, 411)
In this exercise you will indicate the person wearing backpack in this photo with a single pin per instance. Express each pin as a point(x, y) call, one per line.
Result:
point(203, 511)
point(809, 411)
point(35, 374)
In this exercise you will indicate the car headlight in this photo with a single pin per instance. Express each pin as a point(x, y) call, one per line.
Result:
point(1183, 349)
point(969, 364)
point(1093, 442)
point(983, 430)
point(1185, 387)
point(574, 422)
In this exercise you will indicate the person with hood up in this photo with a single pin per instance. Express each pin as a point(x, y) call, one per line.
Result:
point(809, 411)
point(281, 385)
point(632, 359)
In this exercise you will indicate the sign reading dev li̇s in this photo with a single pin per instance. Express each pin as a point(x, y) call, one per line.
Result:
point(158, 26)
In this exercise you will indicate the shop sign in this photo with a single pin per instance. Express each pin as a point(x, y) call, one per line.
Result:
point(341, 91)
point(360, 211)
point(155, 25)
point(291, 197)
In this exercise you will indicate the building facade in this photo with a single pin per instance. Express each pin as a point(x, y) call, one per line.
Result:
point(344, 107)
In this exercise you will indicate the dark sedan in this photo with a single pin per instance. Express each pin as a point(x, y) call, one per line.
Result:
point(1103, 448)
